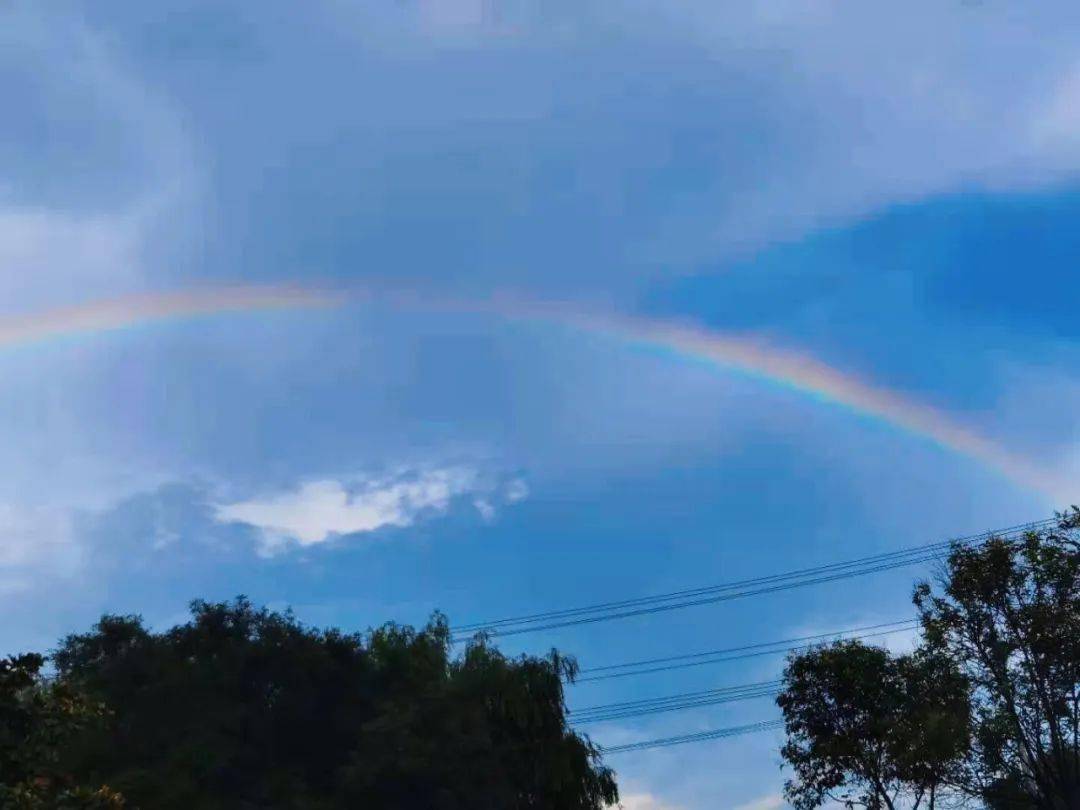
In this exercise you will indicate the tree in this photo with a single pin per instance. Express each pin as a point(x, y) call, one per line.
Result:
point(247, 708)
point(36, 720)
point(507, 716)
point(1007, 613)
point(932, 736)
point(870, 730)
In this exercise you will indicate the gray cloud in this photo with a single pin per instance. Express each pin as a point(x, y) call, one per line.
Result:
point(543, 143)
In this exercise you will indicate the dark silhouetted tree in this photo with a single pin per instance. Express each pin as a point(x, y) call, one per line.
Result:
point(1007, 613)
point(247, 708)
point(871, 730)
point(37, 719)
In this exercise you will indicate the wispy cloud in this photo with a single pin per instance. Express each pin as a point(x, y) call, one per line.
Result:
point(320, 510)
point(35, 541)
point(773, 801)
point(86, 252)
point(77, 212)
point(644, 801)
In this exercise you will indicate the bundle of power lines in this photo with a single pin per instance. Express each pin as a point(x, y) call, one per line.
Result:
point(711, 594)
point(701, 736)
point(673, 703)
point(787, 645)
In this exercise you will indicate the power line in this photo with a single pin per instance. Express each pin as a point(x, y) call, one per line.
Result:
point(606, 718)
point(676, 600)
point(708, 697)
point(672, 703)
point(493, 625)
point(719, 597)
point(702, 736)
point(688, 598)
point(687, 660)
point(681, 695)
point(900, 624)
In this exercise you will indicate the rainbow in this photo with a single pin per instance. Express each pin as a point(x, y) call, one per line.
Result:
point(132, 311)
point(744, 354)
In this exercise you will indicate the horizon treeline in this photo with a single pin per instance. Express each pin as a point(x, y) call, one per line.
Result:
point(246, 708)
point(243, 707)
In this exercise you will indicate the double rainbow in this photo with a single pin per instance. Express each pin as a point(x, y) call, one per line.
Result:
point(746, 355)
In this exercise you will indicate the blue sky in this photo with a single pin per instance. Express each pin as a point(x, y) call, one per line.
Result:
point(890, 188)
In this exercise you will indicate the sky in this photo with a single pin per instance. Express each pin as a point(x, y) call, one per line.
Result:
point(500, 306)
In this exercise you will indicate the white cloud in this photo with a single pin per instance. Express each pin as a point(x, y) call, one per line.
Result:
point(318, 511)
point(84, 251)
point(48, 518)
point(35, 540)
point(485, 508)
point(1055, 129)
point(773, 801)
point(879, 105)
point(440, 16)
point(644, 801)
point(516, 490)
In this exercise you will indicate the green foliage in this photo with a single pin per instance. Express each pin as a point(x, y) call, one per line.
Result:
point(867, 729)
point(1008, 614)
point(988, 707)
point(932, 735)
point(247, 708)
point(37, 719)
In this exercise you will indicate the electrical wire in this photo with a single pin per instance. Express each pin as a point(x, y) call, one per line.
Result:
point(676, 600)
point(701, 736)
point(681, 695)
point(687, 660)
point(689, 700)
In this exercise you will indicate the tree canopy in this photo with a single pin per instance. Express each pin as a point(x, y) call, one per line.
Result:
point(37, 719)
point(1008, 613)
point(987, 707)
point(869, 729)
point(247, 708)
